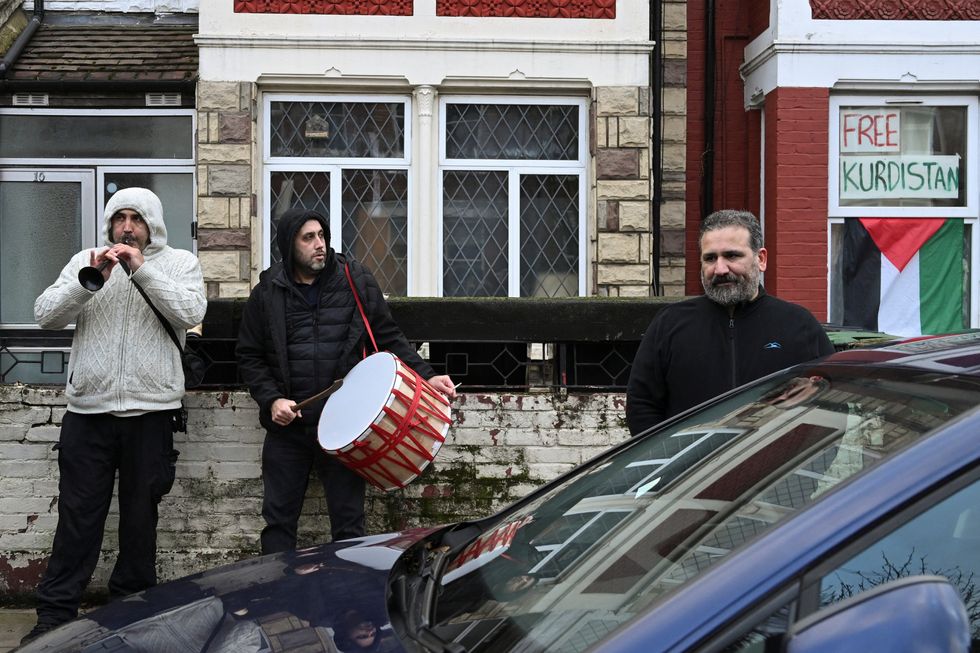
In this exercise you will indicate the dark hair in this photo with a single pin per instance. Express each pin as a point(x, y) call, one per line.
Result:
point(734, 218)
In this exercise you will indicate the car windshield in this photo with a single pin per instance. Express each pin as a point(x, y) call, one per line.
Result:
point(581, 559)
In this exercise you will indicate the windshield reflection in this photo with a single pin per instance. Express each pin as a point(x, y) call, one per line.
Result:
point(591, 553)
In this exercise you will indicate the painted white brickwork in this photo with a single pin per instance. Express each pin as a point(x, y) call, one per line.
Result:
point(134, 6)
point(500, 447)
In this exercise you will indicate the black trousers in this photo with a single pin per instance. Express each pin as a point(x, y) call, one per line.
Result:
point(92, 448)
point(287, 458)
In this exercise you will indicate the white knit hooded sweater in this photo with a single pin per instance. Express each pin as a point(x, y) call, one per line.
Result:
point(121, 357)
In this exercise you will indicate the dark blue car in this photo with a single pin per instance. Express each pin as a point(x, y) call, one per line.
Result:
point(831, 507)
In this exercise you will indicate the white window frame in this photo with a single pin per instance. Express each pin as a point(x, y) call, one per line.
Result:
point(515, 168)
point(100, 173)
point(970, 213)
point(92, 161)
point(835, 210)
point(86, 179)
point(269, 98)
point(333, 166)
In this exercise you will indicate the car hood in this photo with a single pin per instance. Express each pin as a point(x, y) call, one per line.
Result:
point(283, 602)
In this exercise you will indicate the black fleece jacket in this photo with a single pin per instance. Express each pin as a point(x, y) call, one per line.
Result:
point(290, 348)
point(693, 351)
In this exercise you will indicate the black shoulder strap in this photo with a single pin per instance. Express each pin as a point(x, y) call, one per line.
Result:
point(163, 320)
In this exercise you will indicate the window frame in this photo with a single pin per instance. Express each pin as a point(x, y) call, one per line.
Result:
point(972, 207)
point(100, 174)
point(94, 161)
point(266, 128)
point(515, 169)
point(970, 213)
point(90, 228)
point(334, 167)
point(809, 597)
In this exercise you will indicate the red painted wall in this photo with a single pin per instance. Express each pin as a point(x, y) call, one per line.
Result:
point(797, 120)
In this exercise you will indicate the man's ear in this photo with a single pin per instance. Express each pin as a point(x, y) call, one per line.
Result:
point(763, 256)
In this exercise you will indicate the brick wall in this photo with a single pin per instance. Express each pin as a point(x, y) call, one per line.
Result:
point(500, 447)
point(797, 152)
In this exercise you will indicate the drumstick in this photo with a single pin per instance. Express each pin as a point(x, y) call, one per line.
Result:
point(320, 395)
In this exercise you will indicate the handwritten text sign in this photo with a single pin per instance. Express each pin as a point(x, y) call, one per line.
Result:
point(894, 177)
point(870, 130)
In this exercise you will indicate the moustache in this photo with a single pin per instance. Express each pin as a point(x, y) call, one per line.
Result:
point(128, 239)
point(725, 278)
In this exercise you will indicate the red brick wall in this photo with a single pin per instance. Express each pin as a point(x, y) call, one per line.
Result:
point(796, 196)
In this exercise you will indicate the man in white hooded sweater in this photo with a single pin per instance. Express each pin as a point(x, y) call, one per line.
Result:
point(124, 383)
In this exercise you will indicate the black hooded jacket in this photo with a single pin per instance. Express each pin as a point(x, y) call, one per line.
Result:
point(288, 348)
point(694, 350)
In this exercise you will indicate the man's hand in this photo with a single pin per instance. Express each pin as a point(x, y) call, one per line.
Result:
point(123, 252)
point(282, 411)
point(444, 384)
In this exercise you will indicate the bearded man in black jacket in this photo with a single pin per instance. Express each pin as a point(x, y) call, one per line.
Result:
point(735, 333)
point(300, 331)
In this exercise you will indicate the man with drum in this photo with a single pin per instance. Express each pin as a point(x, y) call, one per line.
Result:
point(301, 330)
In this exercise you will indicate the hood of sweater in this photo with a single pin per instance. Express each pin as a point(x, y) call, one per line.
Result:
point(288, 225)
point(147, 204)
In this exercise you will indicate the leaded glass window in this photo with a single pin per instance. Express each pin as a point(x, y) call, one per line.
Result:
point(513, 197)
point(375, 224)
point(512, 131)
point(345, 157)
point(287, 189)
point(474, 217)
point(549, 235)
point(351, 130)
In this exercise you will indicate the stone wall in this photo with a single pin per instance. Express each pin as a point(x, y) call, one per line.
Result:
point(500, 447)
point(673, 130)
point(228, 230)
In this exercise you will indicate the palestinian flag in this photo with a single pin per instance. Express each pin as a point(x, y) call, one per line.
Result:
point(903, 276)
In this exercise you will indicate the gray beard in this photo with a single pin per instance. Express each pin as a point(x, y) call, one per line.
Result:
point(743, 290)
point(311, 268)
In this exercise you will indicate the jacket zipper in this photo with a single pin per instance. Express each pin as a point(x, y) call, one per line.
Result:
point(316, 341)
point(731, 338)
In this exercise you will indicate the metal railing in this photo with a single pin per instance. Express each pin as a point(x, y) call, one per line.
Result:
point(484, 344)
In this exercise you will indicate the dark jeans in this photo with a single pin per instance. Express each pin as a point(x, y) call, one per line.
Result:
point(92, 448)
point(287, 458)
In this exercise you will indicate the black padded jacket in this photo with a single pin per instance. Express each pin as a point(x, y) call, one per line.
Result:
point(290, 348)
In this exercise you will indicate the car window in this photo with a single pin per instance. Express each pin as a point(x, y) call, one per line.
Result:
point(589, 554)
point(944, 540)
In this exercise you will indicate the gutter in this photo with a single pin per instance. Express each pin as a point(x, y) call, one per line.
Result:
point(22, 39)
point(656, 136)
point(708, 155)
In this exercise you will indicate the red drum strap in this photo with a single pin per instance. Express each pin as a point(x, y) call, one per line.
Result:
point(419, 407)
point(360, 308)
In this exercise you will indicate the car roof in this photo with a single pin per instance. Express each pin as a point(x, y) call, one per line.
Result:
point(952, 354)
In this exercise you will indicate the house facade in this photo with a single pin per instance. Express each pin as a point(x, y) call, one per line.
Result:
point(851, 128)
point(460, 149)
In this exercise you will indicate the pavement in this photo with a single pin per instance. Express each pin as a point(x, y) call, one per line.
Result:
point(14, 624)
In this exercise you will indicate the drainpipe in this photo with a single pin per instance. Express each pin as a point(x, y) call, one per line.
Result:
point(22, 39)
point(708, 156)
point(656, 136)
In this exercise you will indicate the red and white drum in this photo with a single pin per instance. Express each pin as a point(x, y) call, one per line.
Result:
point(385, 422)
